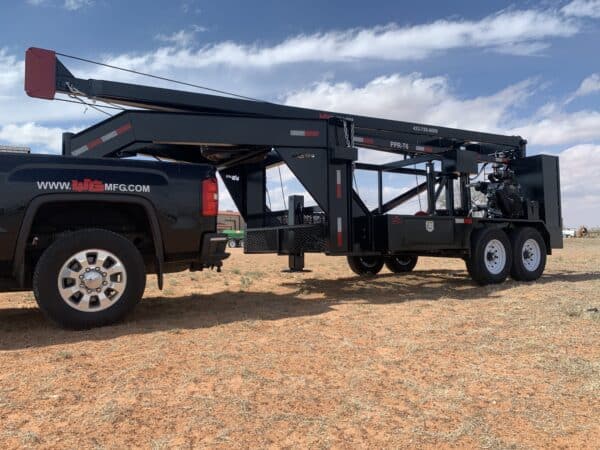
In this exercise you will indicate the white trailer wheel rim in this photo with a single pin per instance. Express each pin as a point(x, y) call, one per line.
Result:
point(92, 280)
point(495, 256)
point(531, 255)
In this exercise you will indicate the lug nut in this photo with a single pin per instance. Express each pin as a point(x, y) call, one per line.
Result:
point(89, 291)
point(97, 269)
point(104, 283)
point(87, 269)
point(103, 274)
point(81, 277)
point(98, 290)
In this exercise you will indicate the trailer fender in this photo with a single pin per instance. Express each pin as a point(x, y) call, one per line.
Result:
point(37, 202)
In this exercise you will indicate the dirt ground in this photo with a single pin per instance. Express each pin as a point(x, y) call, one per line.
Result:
point(257, 358)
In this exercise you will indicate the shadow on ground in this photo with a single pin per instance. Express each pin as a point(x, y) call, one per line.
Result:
point(28, 328)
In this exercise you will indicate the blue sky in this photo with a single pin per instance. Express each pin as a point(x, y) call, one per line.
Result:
point(528, 68)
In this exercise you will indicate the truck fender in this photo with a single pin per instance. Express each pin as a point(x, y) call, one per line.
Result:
point(37, 202)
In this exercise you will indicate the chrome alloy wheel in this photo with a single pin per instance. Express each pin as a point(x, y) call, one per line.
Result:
point(531, 254)
point(495, 256)
point(92, 280)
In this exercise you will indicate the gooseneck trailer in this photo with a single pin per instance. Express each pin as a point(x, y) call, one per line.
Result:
point(509, 229)
point(243, 138)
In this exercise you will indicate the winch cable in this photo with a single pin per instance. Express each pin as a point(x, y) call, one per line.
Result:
point(157, 77)
point(282, 191)
point(97, 106)
point(268, 198)
point(418, 190)
point(355, 182)
point(75, 93)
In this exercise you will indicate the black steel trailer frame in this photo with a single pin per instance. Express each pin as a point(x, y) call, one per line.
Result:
point(244, 138)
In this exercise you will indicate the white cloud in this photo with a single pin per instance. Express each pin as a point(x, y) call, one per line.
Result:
point(588, 86)
point(415, 98)
point(580, 185)
point(562, 128)
point(518, 32)
point(74, 5)
point(11, 71)
point(582, 8)
point(30, 134)
point(181, 38)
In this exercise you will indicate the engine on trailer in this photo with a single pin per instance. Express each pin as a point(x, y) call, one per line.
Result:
point(503, 194)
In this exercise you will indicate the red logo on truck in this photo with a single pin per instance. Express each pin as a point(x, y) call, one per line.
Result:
point(87, 185)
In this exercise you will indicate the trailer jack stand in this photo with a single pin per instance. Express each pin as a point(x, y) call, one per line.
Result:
point(296, 264)
point(296, 217)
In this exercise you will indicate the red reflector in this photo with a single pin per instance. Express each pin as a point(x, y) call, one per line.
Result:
point(94, 143)
point(325, 116)
point(468, 220)
point(210, 197)
point(311, 133)
point(123, 128)
point(40, 73)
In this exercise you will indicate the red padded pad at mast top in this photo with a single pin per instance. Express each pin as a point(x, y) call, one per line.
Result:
point(40, 73)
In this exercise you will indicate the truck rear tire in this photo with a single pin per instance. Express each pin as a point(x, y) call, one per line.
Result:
point(89, 278)
point(365, 265)
point(401, 264)
point(529, 254)
point(491, 256)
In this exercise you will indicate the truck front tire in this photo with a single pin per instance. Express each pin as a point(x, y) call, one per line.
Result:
point(89, 278)
point(491, 256)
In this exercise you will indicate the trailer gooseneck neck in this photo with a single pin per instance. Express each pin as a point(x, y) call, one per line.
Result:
point(243, 138)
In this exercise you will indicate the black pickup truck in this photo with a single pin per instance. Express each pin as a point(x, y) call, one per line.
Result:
point(83, 233)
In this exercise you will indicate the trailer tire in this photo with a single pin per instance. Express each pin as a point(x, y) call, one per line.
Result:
point(365, 265)
point(529, 254)
point(89, 278)
point(491, 256)
point(231, 243)
point(401, 264)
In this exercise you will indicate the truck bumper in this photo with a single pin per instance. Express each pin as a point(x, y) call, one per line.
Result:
point(212, 252)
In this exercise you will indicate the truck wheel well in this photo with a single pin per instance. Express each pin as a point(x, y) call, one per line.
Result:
point(53, 219)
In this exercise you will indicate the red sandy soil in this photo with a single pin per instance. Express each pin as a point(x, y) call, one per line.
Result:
point(254, 358)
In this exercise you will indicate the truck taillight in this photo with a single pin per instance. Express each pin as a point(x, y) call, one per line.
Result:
point(210, 197)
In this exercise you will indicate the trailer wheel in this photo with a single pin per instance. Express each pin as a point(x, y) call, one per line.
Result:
point(529, 254)
point(231, 243)
point(89, 278)
point(401, 264)
point(241, 243)
point(491, 256)
point(365, 265)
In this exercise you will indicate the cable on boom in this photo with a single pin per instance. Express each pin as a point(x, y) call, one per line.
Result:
point(171, 80)
point(282, 191)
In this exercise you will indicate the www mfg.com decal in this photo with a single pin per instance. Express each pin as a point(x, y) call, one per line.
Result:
point(89, 185)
